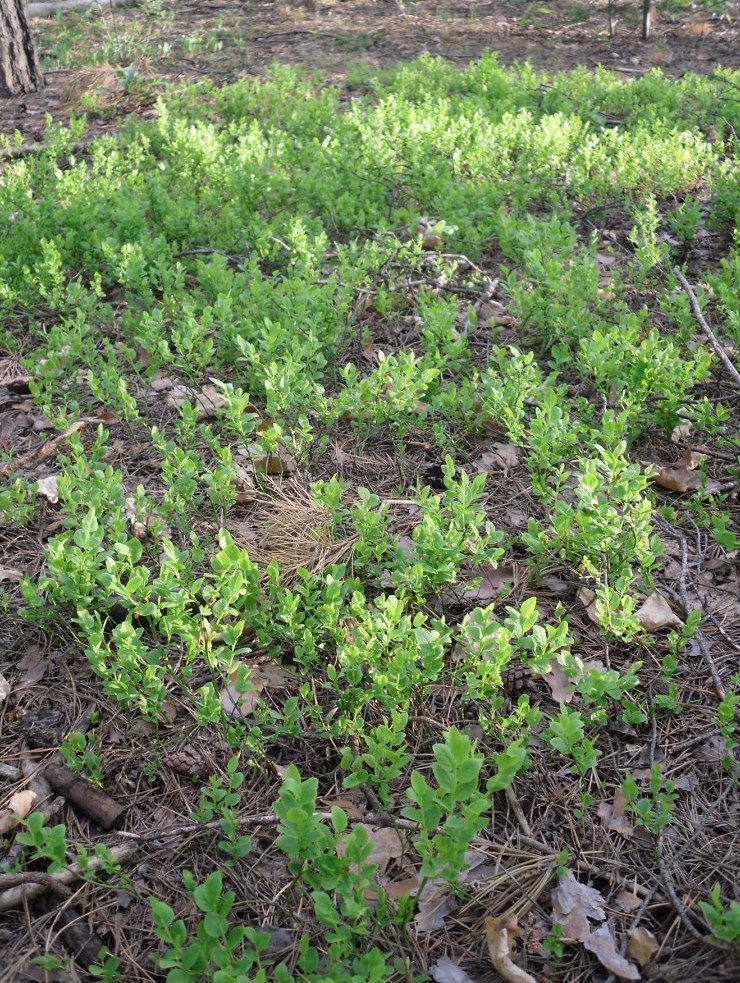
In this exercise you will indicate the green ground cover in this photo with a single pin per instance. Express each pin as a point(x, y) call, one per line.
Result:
point(373, 492)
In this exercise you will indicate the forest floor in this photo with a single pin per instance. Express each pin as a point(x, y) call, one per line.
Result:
point(369, 463)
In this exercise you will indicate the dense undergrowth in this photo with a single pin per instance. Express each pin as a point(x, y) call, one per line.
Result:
point(377, 388)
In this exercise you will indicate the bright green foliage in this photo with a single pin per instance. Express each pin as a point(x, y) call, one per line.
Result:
point(454, 804)
point(384, 759)
point(47, 843)
point(655, 810)
point(724, 920)
point(220, 799)
point(269, 239)
point(566, 734)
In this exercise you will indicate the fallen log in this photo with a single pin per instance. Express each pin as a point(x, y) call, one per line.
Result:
point(94, 802)
point(52, 9)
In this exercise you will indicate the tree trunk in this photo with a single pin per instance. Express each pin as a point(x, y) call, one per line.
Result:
point(20, 71)
point(646, 18)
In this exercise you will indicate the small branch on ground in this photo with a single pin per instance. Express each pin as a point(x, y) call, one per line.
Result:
point(46, 450)
point(700, 637)
point(94, 802)
point(69, 922)
point(517, 810)
point(711, 337)
point(32, 884)
point(29, 149)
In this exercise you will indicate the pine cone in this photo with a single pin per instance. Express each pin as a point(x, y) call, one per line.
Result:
point(517, 681)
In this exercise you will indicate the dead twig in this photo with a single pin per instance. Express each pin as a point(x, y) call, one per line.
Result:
point(35, 877)
point(206, 251)
point(711, 337)
point(670, 889)
point(264, 819)
point(33, 885)
point(700, 637)
point(517, 810)
point(46, 450)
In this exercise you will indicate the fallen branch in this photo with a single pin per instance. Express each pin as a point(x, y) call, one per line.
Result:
point(18, 889)
point(46, 450)
point(94, 802)
point(37, 878)
point(265, 819)
point(29, 149)
point(62, 6)
point(701, 640)
point(711, 337)
point(83, 944)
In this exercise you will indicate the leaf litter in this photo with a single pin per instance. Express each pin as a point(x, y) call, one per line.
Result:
point(576, 907)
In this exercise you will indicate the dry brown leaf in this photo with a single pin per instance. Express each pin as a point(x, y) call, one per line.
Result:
point(500, 934)
point(430, 231)
point(681, 477)
point(143, 728)
point(273, 675)
point(654, 614)
point(4, 688)
point(34, 669)
point(627, 901)
point(681, 433)
point(687, 782)
point(573, 904)
point(206, 400)
point(47, 488)
point(434, 904)
point(574, 907)
point(275, 464)
point(561, 686)
point(399, 889)
point(714, 749)
point(9, 575)
point(602, 944)
point(612, 815)
point(239, 698)
point(138, 527)
point(161, 382)
point(555, 584)
point(435, 901)
point(588, 600)
point(445, 971)
point(244, 485)
point(642, 945)
point(501, 457)
point(259, 676)
point(18, 807)
point(492, 579)
point(102, 415)
point(387, 845)
point(347, 805)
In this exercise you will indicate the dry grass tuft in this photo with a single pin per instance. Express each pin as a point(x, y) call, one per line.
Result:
point(295, 531)
point(98, 87)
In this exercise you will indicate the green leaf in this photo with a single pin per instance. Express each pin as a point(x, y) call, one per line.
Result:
point(208, 894)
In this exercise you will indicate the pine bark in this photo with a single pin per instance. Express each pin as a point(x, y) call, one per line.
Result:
point(647, 16)
point(20, 71)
